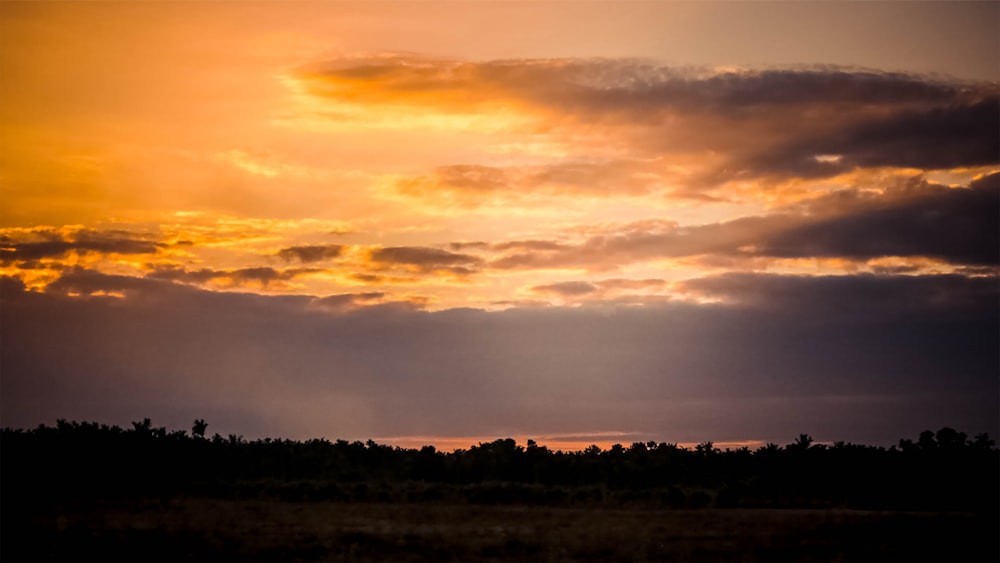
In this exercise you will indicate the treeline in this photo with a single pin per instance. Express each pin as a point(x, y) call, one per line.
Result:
point(943, 470)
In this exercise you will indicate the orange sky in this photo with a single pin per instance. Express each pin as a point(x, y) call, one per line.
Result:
point(229, 127)
point(491, 155)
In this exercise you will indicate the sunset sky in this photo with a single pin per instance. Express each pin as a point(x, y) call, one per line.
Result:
point(448, 222)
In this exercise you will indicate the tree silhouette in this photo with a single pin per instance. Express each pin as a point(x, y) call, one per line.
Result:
point(983, 442)
point(950, 439)
point(943, 470)
point(199, 427)
point(142, 427)
point(802, 443)
point(706, 448)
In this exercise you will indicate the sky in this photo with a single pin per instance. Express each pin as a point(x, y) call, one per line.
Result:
point(450, 222)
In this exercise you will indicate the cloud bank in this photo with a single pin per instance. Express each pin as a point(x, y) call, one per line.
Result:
point(865, 358)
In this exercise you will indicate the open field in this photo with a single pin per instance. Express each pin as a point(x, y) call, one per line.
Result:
point(213, 529)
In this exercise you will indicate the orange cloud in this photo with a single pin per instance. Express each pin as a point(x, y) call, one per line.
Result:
point(805, 123)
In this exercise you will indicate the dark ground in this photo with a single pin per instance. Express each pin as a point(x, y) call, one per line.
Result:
point(193, 528)
point(85, 491)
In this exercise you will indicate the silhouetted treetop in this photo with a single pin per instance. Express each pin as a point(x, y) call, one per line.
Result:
point(939, 469)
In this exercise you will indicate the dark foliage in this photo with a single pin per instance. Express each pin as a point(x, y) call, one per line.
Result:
point(939, 471)
point(86, 491)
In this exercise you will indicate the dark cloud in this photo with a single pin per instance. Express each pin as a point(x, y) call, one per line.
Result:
point(608, 85)
point(240, 276)
point(180, 274)
point(834, 85)
point(761, 124)
point(368, 278)
point(311, 253)
point(942, 137)
point(953, 136)
point(956, 225)
point(381, 279)
point(85, 282)
point(860, 358)
point(425, 259)
point(266, 275)
point(52, 244)
point(850, 295)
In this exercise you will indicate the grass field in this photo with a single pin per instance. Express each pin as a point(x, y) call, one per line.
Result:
point(212, 529)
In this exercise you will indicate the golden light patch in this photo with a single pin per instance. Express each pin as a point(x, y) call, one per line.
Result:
point(323, 103)
point(555, 442)
point(35, 279)
point(103, 293)
point(243, 161)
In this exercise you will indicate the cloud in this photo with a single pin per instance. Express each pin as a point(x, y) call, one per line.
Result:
point(632, 243)
point(952, 136)
point(51, 243)
point(599, 289)
point(833, 297)
point(82, 281)
point(938, 138)
point(265, 275)
point(958, 225)
point(380, 279)
point(917, 219)
point(901, 223)
point(616, 292)
point(601, 86)
point(814, 122)
point(565, 289)
point(425, 259)
point(240, 276)
point(311, 253)
point(859, 358)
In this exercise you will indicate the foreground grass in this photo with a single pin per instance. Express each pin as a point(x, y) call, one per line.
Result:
point(215, 529)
